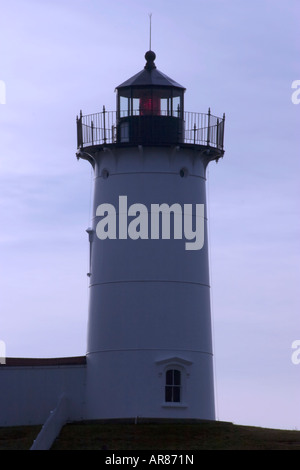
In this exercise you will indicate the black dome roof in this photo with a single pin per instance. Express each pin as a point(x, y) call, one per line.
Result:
point(150, 76)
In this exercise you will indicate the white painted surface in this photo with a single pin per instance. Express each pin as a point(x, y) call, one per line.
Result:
point(149, 299)
point(28, 394)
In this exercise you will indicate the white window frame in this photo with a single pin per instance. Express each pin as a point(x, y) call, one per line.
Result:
point(175, 363)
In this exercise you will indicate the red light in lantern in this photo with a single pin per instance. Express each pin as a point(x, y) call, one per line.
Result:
point(149, 106)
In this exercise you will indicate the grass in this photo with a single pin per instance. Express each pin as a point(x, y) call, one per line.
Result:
point(18, 437)
point(197, 436)
point(163, 436)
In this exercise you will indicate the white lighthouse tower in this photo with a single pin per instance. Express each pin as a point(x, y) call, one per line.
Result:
point(149, 348)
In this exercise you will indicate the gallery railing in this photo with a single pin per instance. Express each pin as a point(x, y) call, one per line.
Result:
point(101, 128)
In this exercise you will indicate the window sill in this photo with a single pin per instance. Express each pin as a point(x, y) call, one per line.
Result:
point(174, 405)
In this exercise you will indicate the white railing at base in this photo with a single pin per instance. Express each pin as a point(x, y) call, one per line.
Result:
point(52, 427)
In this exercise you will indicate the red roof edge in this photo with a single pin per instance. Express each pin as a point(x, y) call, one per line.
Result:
point(55, 361)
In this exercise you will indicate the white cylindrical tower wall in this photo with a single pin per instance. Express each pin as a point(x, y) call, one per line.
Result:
point(149, 306)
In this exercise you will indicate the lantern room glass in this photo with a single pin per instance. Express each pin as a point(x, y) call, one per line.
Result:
point(150, 101)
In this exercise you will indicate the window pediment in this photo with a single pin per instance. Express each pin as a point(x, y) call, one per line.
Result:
point(174, 360)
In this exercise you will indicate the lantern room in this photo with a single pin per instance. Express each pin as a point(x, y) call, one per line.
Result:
point(150, 107)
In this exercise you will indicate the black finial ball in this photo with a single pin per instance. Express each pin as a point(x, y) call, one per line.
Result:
point(150, 58)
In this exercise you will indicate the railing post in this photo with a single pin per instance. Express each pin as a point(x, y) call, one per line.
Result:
point(217, 139)
point(79, 131)
point(223, 127)
point(113, 134)
point(77, 127)
point(92, 131)
point(195, 128)
point(104, 130)
point(208, 127)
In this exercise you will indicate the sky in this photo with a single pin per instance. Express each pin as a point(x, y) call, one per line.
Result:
point(60, 56)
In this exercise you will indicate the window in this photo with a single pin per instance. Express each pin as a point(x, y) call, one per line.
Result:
point(124, 106)
point(174, 373)
point(176, 106)
point(173, 386)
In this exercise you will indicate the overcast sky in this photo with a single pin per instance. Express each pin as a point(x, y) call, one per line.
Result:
point(237, 57)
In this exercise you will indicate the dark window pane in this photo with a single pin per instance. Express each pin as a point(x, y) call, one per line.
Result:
point(176, 377)
point(168, 394)
point(176, 394)
point(169, 377)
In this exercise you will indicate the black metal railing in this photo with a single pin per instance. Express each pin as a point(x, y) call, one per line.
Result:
point(202, 129)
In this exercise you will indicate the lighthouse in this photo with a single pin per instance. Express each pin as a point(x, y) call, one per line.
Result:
point(149, 342)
